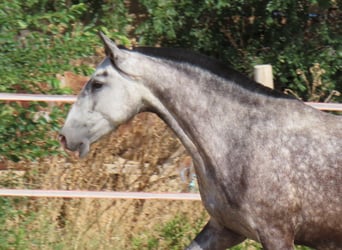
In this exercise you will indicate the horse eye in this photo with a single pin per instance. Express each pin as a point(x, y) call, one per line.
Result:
point(96, 86)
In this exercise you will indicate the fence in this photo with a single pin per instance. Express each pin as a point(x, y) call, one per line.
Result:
point(72, 98)
point(100, 194)
point(107, 194)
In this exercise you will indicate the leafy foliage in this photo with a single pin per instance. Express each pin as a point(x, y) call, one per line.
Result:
point(39, 39)
point(21, 129)
point(290, 35)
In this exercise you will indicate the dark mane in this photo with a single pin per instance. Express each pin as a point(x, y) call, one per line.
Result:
point(208, 63)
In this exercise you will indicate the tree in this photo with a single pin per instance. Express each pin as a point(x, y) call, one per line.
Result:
point(291, 35)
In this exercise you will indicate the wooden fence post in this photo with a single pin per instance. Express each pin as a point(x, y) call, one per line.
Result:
point(263, 74)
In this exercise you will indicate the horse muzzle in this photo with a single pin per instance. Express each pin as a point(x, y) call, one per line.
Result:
point(73, 143)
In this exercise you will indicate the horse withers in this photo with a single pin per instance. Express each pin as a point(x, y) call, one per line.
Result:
point(269, 167)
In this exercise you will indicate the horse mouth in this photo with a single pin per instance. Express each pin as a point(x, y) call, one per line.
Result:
point(81, 148)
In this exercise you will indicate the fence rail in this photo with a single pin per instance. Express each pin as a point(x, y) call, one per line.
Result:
point(99, 194)
point(106, 194)
point(72, 98)
point(37, 97)
point(326, 106)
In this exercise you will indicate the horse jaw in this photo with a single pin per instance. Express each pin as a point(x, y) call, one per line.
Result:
point(82, 128)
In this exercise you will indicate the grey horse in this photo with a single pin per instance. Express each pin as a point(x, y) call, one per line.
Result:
point(269, 167)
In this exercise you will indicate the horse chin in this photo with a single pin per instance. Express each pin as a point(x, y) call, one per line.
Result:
point(84, 148)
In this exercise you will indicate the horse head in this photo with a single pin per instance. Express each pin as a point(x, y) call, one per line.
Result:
point(112, 96)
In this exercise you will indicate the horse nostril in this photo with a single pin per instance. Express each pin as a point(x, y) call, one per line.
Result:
point(62, 140)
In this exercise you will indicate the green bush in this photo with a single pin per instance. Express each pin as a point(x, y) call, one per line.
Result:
point(39, 39)
point(290, 35)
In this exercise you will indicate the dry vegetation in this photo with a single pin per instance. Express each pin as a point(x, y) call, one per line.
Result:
point(143, 155)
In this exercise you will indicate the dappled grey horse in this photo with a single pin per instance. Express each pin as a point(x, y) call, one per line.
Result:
point(269, 168)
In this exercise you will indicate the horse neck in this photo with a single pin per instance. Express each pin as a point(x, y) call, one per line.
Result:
point(191, 95)
point(201, 109)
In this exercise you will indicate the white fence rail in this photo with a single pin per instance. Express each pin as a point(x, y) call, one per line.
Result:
point(326, 106)
point(72, 98)
point(107, 194)
point(37, 97)
point(99, 194)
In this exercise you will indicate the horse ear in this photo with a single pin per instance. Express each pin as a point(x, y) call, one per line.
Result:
point(111, 50)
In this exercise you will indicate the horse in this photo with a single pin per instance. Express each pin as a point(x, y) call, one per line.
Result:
point(269, 167)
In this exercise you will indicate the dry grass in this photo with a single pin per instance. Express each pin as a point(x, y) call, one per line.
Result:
point(143, 155)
